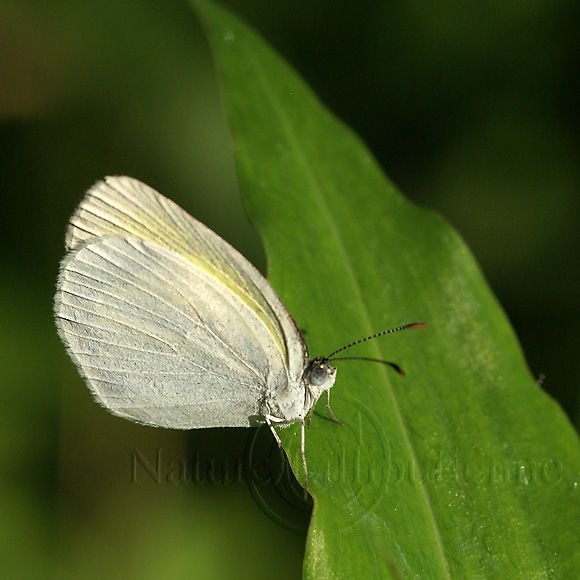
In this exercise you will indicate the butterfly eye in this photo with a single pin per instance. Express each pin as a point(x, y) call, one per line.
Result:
point(321, 373)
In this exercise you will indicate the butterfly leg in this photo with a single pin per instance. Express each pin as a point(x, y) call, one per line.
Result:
point(303, 453)
point(269, 419)
point(332, 415)
point(309, 416)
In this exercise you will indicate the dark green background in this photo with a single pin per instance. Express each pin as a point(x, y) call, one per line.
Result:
point(471, 108)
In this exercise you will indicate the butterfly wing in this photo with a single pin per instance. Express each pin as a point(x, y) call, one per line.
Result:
point(125, 206)
point(168, 323)
point(160, 341)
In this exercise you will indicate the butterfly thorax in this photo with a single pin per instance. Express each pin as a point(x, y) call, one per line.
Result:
point(285, 405)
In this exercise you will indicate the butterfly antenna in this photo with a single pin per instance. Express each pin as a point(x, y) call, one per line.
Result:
point(388, 363)
point(382, 333)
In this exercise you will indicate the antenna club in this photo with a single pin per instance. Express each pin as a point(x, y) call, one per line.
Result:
point(415, 325)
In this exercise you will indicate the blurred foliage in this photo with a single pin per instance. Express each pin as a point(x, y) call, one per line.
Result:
point(471, 108)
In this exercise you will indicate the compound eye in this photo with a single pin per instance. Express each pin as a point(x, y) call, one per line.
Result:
point(321, 373)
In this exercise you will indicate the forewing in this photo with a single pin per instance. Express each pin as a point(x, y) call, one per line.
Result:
point(123, 206)
point(161, 341)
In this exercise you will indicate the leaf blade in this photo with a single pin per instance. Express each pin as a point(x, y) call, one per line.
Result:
point(453, 450)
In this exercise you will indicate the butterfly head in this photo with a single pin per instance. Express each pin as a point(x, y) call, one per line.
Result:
point(319, 376)
point(320, 373)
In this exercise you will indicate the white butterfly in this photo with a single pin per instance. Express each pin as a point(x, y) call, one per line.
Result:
point(170, 326)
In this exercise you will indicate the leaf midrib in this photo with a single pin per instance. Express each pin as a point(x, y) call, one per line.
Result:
point(335, 232)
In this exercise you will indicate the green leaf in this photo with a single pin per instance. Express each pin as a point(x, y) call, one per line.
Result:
point(462, 469)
